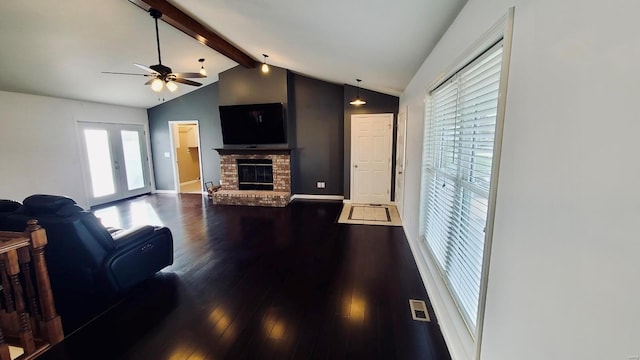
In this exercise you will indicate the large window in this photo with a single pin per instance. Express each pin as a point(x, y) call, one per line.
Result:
point(460, 128)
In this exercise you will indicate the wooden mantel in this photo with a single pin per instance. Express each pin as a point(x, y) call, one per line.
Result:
point(253, 150)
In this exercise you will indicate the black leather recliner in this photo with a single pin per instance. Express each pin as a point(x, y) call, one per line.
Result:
point(7, 207)
point(86, 261)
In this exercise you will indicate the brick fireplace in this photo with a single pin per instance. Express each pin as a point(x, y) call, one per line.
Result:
point(254, 177)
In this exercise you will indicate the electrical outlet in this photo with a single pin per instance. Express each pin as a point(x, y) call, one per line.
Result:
point(320, 184)
point(634, 357)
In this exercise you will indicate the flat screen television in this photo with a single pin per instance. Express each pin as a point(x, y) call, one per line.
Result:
point(254, 124)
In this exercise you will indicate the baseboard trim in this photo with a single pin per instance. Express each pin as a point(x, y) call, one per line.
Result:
point(165, 192)
point(316, 197)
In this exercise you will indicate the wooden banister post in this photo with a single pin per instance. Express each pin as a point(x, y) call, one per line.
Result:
point(52, 324)
point(9, 318)
point(25, 333)
point(25, 267)
point(8, 299)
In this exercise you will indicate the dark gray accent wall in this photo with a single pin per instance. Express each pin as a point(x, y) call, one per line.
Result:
point(241, 86)
point(318, 122)
point(318, 112)
point(201, 105)
point(377, 103)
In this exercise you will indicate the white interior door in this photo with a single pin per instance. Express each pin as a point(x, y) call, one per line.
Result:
point(116, 161)
point(400, 160)
point(371, 158)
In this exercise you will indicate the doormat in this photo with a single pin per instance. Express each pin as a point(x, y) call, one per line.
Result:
point(370, 214)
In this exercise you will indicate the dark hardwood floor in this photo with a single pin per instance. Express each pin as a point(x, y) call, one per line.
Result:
point(263, 283)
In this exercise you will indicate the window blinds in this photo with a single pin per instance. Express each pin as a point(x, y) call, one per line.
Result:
point(458, 151)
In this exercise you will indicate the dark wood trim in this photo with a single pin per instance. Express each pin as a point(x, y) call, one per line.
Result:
point(263, 151)
point(188, 25)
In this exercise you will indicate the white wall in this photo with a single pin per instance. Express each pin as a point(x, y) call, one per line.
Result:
point(39, 147)
point(564, 281)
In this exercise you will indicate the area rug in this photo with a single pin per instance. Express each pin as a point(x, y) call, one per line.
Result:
point(370, 214)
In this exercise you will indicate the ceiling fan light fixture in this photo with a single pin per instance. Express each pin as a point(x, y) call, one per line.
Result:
point(265, 67)
point(161, 75)
point(157, 85)
point(358, 101)
point(203, 72)
point(171, 86)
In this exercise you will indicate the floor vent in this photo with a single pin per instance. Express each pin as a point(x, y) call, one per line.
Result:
point(419, 310)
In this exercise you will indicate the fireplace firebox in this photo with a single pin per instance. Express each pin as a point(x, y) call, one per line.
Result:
point(255, 174)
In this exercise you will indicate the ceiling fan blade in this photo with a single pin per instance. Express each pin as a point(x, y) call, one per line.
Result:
point(146, 68)
point(121, 73)
point(189, 75)
point(187, 82)
point(149, 82)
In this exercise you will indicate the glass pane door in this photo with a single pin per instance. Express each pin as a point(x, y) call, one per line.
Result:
point(100, 162)
point(131, 151)
point(116, 161)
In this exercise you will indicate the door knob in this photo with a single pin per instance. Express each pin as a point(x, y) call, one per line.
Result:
point(355, 166)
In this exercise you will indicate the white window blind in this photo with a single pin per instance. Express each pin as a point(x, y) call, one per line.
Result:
point(460, 123)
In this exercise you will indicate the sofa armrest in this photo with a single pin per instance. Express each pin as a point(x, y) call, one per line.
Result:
point(138, 256)
point(113, 230)
point(132, 236)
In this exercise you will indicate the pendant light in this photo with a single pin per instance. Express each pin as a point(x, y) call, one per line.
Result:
point(358, 101)
point(265, 67)
point(203, 72)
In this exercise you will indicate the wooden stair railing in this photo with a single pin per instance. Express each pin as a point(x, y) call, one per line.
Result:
point(28, 318)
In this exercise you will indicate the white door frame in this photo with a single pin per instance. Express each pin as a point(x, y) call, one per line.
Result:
point(174, 157)
point(116, 153)
point(352, 165)
point(402, 165)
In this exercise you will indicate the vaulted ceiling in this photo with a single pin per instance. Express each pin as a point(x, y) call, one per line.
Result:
point(61, 48)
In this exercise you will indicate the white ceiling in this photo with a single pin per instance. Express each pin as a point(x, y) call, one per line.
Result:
point(60, 48)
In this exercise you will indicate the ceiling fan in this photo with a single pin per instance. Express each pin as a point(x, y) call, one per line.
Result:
point(162, 75)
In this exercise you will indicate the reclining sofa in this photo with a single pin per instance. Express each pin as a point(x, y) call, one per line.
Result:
point(88, 262)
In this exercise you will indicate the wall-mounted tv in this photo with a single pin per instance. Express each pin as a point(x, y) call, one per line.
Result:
point(253, 124)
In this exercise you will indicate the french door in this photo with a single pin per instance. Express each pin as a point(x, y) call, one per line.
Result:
point(116, 161)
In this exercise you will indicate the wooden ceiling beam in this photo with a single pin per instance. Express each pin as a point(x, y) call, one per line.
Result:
point(188, 25)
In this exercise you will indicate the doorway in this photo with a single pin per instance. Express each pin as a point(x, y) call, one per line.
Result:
point(371, 142)
point(116, 161)
point(187, 164)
